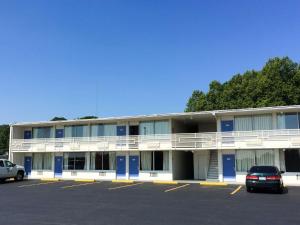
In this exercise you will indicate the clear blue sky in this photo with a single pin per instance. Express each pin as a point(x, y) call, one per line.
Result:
point(144, 56)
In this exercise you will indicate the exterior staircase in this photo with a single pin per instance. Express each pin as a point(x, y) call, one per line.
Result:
point(213, 172)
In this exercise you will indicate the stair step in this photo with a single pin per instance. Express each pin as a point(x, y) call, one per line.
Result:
point(213, 171)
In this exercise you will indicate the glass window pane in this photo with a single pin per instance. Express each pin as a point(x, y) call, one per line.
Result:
point(105, 161)
point(146, 160)
point(47, 161)
point(98, 161)
point(166, 160)
point(280, 121)
point(291, 121)
point(243, 123)
point(37, 161)
point(162, 127)
point(264, 157)
point(245, 159)
point(112, 160)
point(292, 160)
point(262, 122)
point(43, 132)
point(158, 160)
point(109, 130)
point(146, 128)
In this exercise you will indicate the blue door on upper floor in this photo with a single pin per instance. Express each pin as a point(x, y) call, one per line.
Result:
point(121, 166)
point(27, 165)
point(229, 167)
point(121, 130)
point(226, 125)
point(134, 166)
point(27, 134)
point(58, 164)
point(59, 133)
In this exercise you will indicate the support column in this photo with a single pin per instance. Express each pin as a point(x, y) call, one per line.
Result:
point(277, 158)
point(220, 165)
point(10, 154)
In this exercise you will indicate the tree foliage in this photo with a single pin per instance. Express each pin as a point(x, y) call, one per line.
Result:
point(4, 138)
point(88, 117)
point(57, 118)
point(276, 84)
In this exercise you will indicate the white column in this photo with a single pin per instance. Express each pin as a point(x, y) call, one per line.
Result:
point(220, 165)
point(277, 158)
point(127, 165)
point(10, 154)
point(88, 160)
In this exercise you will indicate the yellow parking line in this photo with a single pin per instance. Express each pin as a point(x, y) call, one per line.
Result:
point(175, 188)
point(85, 180)
point(78, 185)
point(236, 190)
point(164, 182)
point(43, 183)
point(212, 183)
point(123, 181)
point(124, 186)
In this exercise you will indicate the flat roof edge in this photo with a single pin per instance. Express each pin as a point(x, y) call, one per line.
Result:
point(166, 115)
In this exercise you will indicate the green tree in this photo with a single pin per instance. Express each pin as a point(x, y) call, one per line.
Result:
point(88, 117)
point(57, 118)
point(276, 84)
point(4, 138)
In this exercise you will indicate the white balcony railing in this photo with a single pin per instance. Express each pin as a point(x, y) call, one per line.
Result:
point(180, 141)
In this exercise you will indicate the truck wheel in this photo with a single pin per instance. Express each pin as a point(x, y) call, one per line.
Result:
point(20, 176)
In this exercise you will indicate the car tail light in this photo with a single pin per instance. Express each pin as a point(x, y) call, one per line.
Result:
point(251, 177)
point(276, 177)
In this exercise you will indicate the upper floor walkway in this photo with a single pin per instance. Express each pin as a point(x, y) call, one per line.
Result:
point(262, 139)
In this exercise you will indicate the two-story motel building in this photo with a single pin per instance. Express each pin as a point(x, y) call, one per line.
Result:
point(210, 145)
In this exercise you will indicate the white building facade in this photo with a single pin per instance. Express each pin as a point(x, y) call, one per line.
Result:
point(211, 145)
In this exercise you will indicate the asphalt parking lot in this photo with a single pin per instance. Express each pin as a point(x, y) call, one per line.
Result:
point(79, 203)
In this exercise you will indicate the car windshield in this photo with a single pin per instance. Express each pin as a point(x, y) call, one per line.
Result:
point(263, 169)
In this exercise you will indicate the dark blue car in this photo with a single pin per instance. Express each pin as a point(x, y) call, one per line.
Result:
point(264, 177)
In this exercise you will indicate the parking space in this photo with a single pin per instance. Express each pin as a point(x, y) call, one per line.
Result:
point(104, 202)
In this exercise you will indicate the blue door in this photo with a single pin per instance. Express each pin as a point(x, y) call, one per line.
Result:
point(121, 166)
point(226, 125)
point(59, 133)
point(27, 165)
point(229, 167)
point(58, 163)
point(27, 134)
point(121, 130)
point(134, 166)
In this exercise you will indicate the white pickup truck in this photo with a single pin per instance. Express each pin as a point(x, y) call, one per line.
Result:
point(10, 170)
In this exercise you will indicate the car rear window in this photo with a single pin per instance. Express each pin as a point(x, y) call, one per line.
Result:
point(1, 164)
point(263, 169)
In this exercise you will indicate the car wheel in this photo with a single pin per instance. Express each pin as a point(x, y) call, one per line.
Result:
point(280, 190)
point(249, 189)
point(20, 176)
